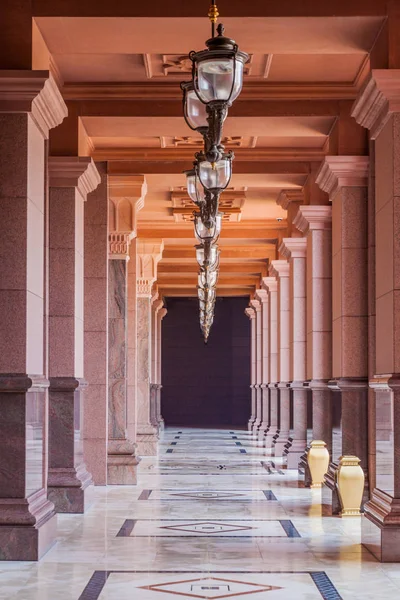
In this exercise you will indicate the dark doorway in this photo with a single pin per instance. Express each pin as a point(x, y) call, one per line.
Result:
point(206, 385)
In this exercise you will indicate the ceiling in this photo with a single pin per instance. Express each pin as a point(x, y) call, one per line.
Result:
point(121, 77)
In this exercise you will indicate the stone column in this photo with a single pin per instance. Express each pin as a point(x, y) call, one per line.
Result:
point(30, 105)
point(126, 198)
point(262, 297)
point(280, 269)
point(160, 316)
point(149, 253)
point(156, 306)
point(345, 179)
point(270, 284)
point(315, 222)
point(95, 426)
point(258, 394)
point(70, 180)
point(377, 108)
point(250, 312)
point(294, 249)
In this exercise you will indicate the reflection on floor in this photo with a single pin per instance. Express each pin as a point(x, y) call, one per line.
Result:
point(208, 522)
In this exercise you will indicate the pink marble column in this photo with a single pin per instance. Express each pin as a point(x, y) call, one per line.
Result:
point(377, 108)
point(156, 305)
point(126, 199)
point(345, 179)
point(70, 180)
point(262, 297)
point(315, 222)
point(270, 284)
point(30, 105)
point(160, 316)
point(257, 387)
point(149, 253)
point(294, 249)
point(280, 269)
point(250, 312)
point(95, 425)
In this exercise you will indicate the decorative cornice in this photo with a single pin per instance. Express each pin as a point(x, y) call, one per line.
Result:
point(250, 312)
point(270, 284)
point(287, 196)
point(279, 268)
point(144, 287)
point(126, 198)
point(261, 295)
point(256, 305)
point(33, 92)
point(293, 247)
point(378, 100)
point(74, 171)
point(148, 255)
point(313, 217)
point(118, 245)
point(337, 172)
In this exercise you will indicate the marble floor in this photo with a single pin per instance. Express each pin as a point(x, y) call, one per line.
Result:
point(213, 517)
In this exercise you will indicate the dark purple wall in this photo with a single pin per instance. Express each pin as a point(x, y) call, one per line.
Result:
point(206, 385)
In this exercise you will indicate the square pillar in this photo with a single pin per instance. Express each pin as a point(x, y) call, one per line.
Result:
point(258, 366)
point(262, 297)
point(149, 253)
point(377, 108)
point(345, 179)
point(250, 312)
point(280, 270)
point(294, 249)
point(126, 198)
point(30, 105)
point(69, 482)
point(315, 222)
point(160, 316)
point(95, 425)
point(270, 284)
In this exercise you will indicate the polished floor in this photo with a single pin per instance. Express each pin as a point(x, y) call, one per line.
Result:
point(212, 518)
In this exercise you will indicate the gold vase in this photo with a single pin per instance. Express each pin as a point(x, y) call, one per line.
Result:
point(350, 480)
point(318, 462)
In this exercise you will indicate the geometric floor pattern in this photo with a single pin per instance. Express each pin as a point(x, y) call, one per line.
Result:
point(223, 524)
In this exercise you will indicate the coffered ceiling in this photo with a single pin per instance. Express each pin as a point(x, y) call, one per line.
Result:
point(120, 76)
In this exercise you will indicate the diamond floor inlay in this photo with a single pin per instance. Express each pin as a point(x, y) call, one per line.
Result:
point(222, 525)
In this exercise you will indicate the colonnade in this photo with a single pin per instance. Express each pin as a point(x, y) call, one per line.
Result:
point(328, 319)
point(80, 357)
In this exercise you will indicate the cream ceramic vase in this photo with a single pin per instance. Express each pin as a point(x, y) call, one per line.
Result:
point(318, 462)
point(350, 482)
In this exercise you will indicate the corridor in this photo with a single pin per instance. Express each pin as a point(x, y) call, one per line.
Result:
point(212, 517)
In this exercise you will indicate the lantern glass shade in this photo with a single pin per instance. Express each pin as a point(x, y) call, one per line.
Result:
point(213, 258)
point(219, 78)
point(194, 189)
point(217, 175)
point(195, 110)
point(203, 232)
point(207, 279)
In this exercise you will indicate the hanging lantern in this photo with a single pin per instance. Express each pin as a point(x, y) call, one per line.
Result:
point(214, 176)
point(204, 232)
point(194, 188)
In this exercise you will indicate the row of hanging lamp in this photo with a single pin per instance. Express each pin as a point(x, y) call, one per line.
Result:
point(217, 80)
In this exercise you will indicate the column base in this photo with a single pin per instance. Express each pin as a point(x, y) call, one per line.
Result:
point(122, 463)
point(303, 464)
point(262, 432)
point(29, 527)
point(256, 427)
point(161, 424)
point(380, 532)
point(271, 437)
point(281, 445)
point(250, 425)
point(295, 453)
point(330, 494)
point(71, 490)
point(147, 444)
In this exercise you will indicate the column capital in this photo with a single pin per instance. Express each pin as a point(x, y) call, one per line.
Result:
point(337, 172)
point(33, 92)
point(270, 284)
point(261, 295)
point(79, 172)
point(311, 218)
point(279, 268)
point(293, 247)
point(126, 198)
point(255, 305)
point(286, 197)
point(118, 246)
point(250, 312)
point(148, 255)
point(378, 100)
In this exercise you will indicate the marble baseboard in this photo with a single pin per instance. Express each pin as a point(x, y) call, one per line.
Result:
point(383, 542)
point(28, 543)
point(293, 459)
point(73, 500)
point(147, 445)
point(122, 469)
